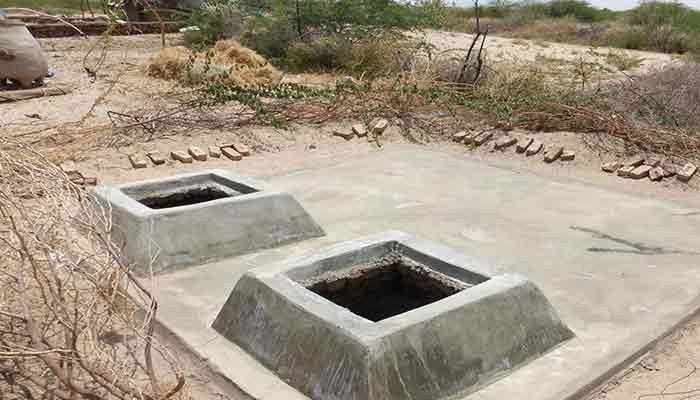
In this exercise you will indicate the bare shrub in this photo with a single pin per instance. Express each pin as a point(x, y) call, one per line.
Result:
point(74, 323)
point(670, 97)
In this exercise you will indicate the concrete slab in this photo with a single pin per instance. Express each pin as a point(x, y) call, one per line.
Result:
point(620, 269)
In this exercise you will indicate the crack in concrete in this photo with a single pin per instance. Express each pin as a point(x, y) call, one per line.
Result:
point(638, 248)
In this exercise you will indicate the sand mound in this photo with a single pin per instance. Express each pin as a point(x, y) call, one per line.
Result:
point(228, 61)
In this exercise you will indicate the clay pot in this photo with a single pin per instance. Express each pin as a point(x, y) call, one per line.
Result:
point(21, 57)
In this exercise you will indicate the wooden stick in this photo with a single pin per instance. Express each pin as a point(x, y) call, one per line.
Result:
point(19, 95)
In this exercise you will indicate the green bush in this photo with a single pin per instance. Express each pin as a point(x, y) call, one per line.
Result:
point(269, 36)
point(668, 27)
point(215, 21)
point(325, 53)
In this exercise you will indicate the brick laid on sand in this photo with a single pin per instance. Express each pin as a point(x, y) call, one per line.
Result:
point(633, 161)
point(625, 172)
point(534, 148)
point(197, 153)
point(214, 152)
point(524, 144)
point(483, 138)
point(505, 142)
point(669, 170)
point(231, 154)
point(156, 158)
point(469, 139)
point(611, 166)
point(459, 136)
point(138, 161)
point(360, 130)
point(347, 135)
point(656, 174)
point(652, 161)
point(181, 156)
point(640, 172)
point(380, 126)
point(553, 153)
point(567, 155)
point(242, 149)
point(686, 173)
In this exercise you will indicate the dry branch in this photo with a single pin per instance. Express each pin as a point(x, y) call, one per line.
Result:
point(19, 95)
point(68, 327)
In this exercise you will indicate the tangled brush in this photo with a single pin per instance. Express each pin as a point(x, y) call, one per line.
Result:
point(228, 61)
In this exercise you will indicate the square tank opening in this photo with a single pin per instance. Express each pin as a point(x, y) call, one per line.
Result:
point(194, 195)
point(185, 192)
point(390, 287)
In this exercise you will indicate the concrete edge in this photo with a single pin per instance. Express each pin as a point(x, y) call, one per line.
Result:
point(593, 381)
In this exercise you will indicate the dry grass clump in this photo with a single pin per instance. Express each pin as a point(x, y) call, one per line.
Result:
point(228, 61)
point(169, 63)
point(230, 52)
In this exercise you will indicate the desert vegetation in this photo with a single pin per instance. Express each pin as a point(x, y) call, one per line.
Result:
point(669, 27)
point(369, 42)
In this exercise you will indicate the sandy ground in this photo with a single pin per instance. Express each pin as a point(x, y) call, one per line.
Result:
point(120, 85)
point(559, 59)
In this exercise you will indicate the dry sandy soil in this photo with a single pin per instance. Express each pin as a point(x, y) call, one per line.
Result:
point(76, 126)
point(555, 58)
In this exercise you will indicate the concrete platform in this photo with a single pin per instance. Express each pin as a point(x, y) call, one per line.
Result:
point(405, 318)
point(621, 270)
point(169, 223)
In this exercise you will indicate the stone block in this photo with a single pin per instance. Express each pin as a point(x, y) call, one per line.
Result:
point(231, 154)
point(197, 153)
point(611, 166)
point(156, 158)
point(656, 174)
point(482, 138)
point(360, 130)
point(459, 136)
point(505, 142)
point(567, 155)
point(138, 161)
point(380, 126)
point(553, 153)
point(625, 172)
point(686, 173)
point(640, 172)
point(181, 156)
point(633, 161)
point(669, 170)
point(534, 148)
point(214, 152)
point(242, 149)
point(524, 144)
point(652, 161)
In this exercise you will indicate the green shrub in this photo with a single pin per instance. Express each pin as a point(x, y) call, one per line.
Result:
point(382, 57)
point(325, 53)
point(213, 22)
point(269, 36)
